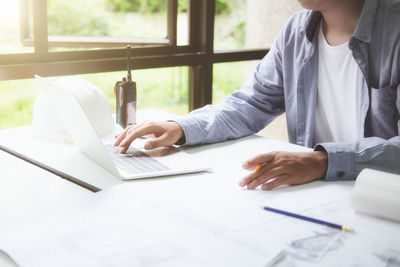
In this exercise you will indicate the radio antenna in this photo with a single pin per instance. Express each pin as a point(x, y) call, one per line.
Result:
point(128, 62)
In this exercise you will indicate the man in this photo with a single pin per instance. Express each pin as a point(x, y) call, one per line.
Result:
point(335, 70)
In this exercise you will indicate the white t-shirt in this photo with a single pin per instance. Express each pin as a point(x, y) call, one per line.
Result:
point(337, 115)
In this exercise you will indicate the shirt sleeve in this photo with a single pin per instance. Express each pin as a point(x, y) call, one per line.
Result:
point(245, 111)
point(347, 160)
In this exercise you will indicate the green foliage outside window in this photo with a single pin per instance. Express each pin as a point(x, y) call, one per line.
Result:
point(221, 6)
point(142, 6)
point(164, 88)
point(66, 19)
point(154, 6)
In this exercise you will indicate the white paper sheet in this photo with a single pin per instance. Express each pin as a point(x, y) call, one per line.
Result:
point(115, 228)
point(190, 222)
point(202, 220)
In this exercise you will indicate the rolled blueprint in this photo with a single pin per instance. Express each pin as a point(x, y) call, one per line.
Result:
point(377, 193)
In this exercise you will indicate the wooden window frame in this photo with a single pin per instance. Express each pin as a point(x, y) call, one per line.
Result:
point(198, 55)
point(40, 27)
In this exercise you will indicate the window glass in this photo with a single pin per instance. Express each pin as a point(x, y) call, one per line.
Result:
point(250, 23)
point(182, 23)
point(16, 102)
point(163, 89)
point(10, 41)
point(229, 77)
point(119, 20)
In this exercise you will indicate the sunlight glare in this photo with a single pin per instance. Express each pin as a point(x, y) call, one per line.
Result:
point(9, 8)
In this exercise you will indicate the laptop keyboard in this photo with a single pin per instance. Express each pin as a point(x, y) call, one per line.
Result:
point(134, 161)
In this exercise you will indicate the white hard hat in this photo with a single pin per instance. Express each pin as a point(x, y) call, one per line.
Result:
point(46, 123)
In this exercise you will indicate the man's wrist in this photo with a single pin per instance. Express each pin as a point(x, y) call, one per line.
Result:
point(182, 138)
point(321, 159)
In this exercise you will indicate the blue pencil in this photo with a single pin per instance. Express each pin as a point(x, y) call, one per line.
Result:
point(301, 217)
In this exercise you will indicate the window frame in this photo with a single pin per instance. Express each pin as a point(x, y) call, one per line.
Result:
point(40, 15)
point(199, 55)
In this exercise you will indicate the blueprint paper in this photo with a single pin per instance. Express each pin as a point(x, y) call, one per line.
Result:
point(201, 220)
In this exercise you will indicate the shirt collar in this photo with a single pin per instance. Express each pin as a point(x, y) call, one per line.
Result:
point(363, 29)
point(312, 23)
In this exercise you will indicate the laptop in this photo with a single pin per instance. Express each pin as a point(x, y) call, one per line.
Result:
point(136, 163)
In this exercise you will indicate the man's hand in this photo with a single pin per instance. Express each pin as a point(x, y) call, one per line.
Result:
point(285, 168)
point(166, 134)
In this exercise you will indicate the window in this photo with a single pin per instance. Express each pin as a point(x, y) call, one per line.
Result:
point(99, 23)
point(9, 29)
point(177, 36)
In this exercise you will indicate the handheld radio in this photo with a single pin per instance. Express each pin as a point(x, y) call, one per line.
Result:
point(125, 96)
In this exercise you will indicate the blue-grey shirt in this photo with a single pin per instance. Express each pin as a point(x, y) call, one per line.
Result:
point(286, 80)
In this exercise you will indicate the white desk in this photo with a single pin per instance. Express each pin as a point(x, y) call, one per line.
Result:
point(25, 189)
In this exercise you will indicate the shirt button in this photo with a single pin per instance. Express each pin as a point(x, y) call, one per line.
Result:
point(340, 174)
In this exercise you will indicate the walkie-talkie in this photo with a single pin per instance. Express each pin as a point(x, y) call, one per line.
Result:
point(125, 96)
